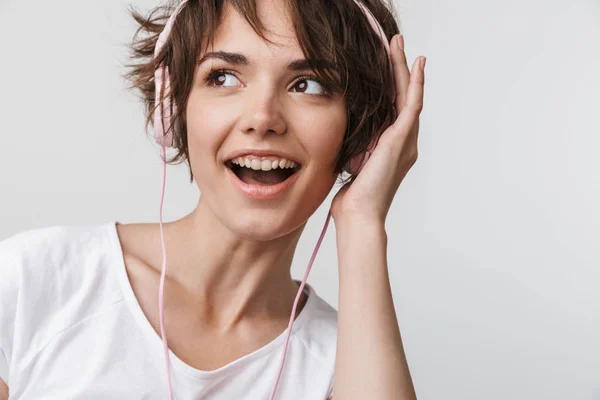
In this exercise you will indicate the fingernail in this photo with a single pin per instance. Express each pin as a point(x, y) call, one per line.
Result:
point(400, 42)
point(423, 61)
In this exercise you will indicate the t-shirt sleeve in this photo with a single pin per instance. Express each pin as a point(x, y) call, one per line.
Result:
point(10, 277)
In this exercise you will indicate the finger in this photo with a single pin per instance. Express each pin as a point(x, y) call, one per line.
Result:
point(417, 130)
point(401, 73)
point(414, 98)
point(414, 94)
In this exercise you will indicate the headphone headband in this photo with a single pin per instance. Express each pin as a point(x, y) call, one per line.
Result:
point(163, 113)
point(162, 117)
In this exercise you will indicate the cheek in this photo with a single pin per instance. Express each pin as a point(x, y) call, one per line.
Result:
point(319, 135)
point(207, 129)
point(205, 124)
point(322, 137)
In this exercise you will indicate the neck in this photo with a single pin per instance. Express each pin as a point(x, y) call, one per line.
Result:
point(228, 278)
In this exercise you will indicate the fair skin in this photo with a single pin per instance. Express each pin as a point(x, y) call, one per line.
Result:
point(228, 262)
point(370, 361)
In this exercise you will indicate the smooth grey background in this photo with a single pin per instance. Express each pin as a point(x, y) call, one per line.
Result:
point(493, 236)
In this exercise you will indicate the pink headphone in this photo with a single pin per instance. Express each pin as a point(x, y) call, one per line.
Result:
point(165, 139)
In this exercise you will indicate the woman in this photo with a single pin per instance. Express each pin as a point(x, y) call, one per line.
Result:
point(265, 138)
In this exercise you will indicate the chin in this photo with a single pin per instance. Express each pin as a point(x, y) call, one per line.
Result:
point(251, 217)
point(264, 225)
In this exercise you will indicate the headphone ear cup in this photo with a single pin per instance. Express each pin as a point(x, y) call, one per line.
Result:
point(356, 163)
point(354, 166)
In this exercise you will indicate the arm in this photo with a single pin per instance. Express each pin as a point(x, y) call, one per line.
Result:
point(3, 390)
point(370, 361)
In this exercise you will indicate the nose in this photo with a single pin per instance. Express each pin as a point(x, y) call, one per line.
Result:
point(263, 112)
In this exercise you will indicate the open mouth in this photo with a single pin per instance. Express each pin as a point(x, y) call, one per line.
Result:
point(261, 177)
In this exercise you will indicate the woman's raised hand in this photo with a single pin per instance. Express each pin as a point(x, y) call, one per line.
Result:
point(370, 195)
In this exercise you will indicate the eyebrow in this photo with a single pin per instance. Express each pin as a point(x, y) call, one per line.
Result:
point(240, 59)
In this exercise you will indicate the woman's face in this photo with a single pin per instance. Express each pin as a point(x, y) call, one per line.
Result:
point(261, 104)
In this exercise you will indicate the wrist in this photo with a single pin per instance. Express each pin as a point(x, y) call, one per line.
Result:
point(360, 224)
point(354, 218)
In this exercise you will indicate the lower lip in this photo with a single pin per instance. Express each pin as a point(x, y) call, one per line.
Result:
point(262, 192)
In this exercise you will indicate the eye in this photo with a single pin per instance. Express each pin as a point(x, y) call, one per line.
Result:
point(303, 84)
point(218, 78)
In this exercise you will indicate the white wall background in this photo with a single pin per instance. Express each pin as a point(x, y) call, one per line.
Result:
point(493, 237)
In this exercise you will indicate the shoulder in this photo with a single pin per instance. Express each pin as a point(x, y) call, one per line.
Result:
point(319, 334)
point(52, 278)
point(53, 261)
point(17, 246)
point(56, 260)
point(28, 257)
point(324, 317)
point(37, 257)
point(51, 244)
point(319, 329)
point(44, 270)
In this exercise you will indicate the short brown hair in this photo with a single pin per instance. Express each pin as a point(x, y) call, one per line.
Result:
point(334, 30)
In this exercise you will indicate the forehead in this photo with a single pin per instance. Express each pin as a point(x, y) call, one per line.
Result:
point(234, 32)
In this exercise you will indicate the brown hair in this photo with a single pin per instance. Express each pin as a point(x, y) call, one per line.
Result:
point(333, 30)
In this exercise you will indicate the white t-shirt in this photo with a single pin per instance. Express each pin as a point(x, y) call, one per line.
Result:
point(72, 328)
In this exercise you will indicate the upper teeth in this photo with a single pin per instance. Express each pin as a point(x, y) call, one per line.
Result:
point(264, 165)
